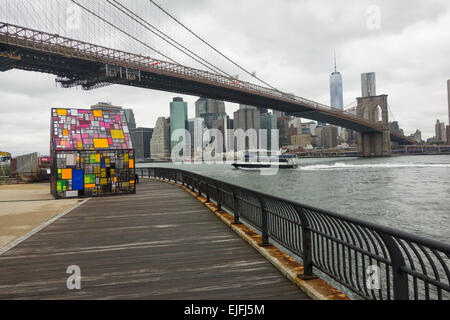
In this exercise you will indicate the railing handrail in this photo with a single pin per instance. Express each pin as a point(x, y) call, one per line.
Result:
point(401, 253)
point(378, 227)
point(439, 245)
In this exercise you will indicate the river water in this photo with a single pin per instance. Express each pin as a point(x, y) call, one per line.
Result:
point(410, 193)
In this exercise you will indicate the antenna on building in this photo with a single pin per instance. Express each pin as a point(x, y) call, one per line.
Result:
point(335, 64)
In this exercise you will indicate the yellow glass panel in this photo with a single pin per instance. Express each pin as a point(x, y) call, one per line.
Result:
point(117, 134)
point(62, 112)
point(125, 157)
point(66, 174)
point(98, 113)
point(101, 144)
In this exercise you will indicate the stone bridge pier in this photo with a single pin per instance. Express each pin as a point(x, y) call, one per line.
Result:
point(374, 144)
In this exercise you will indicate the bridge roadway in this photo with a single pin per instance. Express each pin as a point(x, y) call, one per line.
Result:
point(159, 244)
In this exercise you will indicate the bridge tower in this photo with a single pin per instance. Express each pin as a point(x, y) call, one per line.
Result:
point(374, 144)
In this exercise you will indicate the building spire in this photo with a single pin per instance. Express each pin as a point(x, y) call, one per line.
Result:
point(335, 64)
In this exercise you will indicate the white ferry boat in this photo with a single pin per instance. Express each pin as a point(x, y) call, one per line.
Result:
point(265, 160)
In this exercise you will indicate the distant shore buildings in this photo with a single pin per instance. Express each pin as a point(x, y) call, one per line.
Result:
point(292, 133)
point(448, 127)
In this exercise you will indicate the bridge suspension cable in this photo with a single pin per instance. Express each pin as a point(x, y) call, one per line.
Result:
point(252, 74)
point(166, 38)
point(123, 31)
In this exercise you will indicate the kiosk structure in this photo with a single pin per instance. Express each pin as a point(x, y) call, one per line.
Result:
point(91, 153)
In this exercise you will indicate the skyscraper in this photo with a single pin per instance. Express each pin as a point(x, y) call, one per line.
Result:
point(336, 89)
point(224, 125)
point(368, 84)
point(160, 143)
point(129, 114)
point(276, 114)
point(283, 127)
point(221, 108)
point(418, 136)
point(262, 110)
point(440, 131)
point(196, 130)
point(267, 124)
point(329, 137)
point(201, 107)
point(246, 119)
point(178, 121)
point(141, 138)
point(209, 110)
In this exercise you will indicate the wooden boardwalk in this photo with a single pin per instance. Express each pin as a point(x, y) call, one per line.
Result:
point(159, 244)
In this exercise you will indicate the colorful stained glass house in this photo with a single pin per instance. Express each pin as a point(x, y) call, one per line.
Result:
point(92, 153)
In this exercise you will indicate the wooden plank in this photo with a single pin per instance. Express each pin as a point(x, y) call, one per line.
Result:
point(159, 244)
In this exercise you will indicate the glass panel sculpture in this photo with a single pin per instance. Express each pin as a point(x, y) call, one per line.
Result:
point(92, 153)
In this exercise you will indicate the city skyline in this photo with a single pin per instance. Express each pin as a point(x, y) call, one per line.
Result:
point(29, 96)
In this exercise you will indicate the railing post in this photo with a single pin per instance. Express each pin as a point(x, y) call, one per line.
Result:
point(218, 199)
point(399, 277)
point(308, 273)
point(207, 192)
point(264, 224)
point(236, 209)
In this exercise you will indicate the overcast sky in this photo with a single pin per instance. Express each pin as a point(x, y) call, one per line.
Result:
point(290, 44)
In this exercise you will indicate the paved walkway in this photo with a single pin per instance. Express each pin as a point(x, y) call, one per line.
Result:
point(159, 244)
point(24, 207)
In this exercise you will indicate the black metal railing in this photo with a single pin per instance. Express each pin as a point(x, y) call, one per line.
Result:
point(371, 260)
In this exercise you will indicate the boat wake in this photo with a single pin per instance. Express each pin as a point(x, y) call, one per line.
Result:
point(346, 166)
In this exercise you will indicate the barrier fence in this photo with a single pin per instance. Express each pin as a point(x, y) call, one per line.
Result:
point(373, 261)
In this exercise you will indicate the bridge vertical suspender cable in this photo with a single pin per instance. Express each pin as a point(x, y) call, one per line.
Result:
point(164, 37)
point(212, 47)
point(124, 32)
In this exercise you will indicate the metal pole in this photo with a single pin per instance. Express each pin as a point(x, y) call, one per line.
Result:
point(207, 192)
point(218, 199)
point(265, 225)
point(236, 209)
point(399, 277)
point(308, 273)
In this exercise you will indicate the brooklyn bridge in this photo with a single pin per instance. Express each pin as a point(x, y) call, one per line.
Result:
point(76, 62)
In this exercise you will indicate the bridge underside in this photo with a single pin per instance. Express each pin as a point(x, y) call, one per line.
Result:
point(89, 74)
